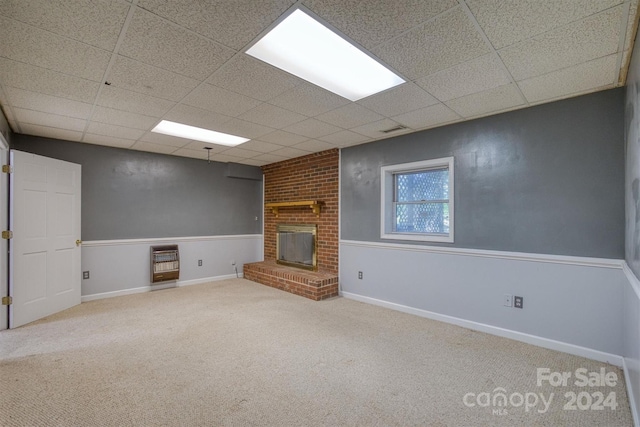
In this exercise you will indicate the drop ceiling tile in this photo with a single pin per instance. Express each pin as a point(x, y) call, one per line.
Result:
point(506, 23)
point(158, 138)
point(232, 23)
point(281, 137)
point(254, 162)
point(120, 99)
point(444, 42)
point(153, 148)
point(290, 152)
point(477, 75)
point(48, 104)
point(349, 116)
point(123, 118)
point(36, 79)
point(270, 115)
point(136, 76)
point(106, 140)
point(312, 128)
point(344, 137)
point(48, 132)
point(90, 22)
point(220, 100)
point(578, 42)
point(271, 158)
point(375, 21)
point(374, 130)
point(261, 146)
point(427, 117)
point(589, 76)
point(482, 103)
point(398, 100)
point(200, 146)
point(244, 129)
point(156, 41)
point(241, 152)
point(49, 120)
point(309, 100)
point(193, 116)
point(194, 154)
point(314, 145)
point(251, 77)
point(114, 131)
point(24, 43)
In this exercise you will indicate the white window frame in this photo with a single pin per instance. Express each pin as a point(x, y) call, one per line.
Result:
point(386, 200)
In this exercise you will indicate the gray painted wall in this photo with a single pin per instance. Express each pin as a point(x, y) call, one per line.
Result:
point(130, 194)
point(4, 127)
point(547, 179)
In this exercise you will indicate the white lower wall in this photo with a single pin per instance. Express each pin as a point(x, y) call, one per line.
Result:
point(119, 267)
point(570, 304)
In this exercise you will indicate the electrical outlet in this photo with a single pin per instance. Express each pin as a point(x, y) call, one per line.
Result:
point(507, 300)
point(233, 262)
point(85, 275)
point(518, 302)
point(359, 274)
point(199, 263)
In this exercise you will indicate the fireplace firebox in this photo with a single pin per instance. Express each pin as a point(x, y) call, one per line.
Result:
point(296, 245)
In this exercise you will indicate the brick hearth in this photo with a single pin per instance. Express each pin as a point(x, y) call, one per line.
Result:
point(310, 284)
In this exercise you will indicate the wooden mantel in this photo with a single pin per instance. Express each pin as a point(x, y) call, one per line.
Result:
point(313, 204)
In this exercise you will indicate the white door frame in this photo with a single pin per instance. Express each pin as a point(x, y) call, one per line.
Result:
point(4, 225)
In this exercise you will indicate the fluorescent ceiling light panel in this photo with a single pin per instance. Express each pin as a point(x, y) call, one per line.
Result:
point(304, 47)
point(199, 134)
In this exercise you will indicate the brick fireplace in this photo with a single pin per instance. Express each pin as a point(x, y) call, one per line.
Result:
point(308, 178)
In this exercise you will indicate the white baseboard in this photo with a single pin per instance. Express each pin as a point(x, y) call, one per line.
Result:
point(207, 279)
point(142, 289)
point(576, 350)
point(630, 395)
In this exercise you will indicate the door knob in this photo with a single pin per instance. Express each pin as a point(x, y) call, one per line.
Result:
point(78, 242)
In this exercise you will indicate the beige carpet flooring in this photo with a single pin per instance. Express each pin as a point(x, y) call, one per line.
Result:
point(236, 353)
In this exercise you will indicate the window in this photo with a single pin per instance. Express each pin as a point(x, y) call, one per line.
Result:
point(417, 201)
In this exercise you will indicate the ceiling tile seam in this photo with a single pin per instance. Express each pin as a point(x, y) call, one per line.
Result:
point(492, 49)
point(112, 60)
point(574, 94)
point(561, 27)
point(417, 26)
point(155, 68)
point(566, 24)
point(204, 82)
point(569, 67)
point(188, 30)
point(56, 35)
point(624, 24)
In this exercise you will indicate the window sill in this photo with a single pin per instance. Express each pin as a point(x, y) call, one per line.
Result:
point(418, 237)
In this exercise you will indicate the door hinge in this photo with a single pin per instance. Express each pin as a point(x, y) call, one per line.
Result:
point(7, 169)
point(7, 300)
point(7, 234)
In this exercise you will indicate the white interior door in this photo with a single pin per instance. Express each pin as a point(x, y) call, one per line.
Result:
point(44, 216)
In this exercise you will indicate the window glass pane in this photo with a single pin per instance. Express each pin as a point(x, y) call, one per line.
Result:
point(424, 185)
point(422, 218)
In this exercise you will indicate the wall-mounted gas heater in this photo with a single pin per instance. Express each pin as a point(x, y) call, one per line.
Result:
point(165, 263)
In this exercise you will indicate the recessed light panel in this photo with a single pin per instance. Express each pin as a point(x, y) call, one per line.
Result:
point(305, 48)
point(199, 134)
